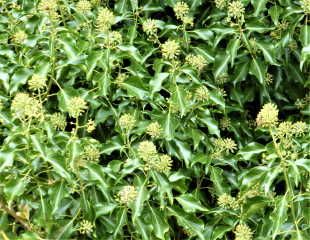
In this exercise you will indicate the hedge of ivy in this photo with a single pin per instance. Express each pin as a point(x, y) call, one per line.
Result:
point(154, 119)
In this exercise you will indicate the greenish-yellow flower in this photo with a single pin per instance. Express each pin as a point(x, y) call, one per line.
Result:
point(127, 121)
point(83, 6)
point(91, 153)
point(188, 21)
point(113, 39)
point(25, 107)
point(85, 227)
point(222, 78)
point(181, 9)
point(228, 202)
point(220, 3)
point(305, 4)
point(164, 163)
point(105, 19)
point(147, 150)
point(170, 49)
point(300, 128)
point(127, 194)
point(90, 126)
point(149, 26)
point(243, 232)
point(225, 123)
point(236, 10)
point(46, 6)
point(196, 61)
point(58, 121)
point(225, 145)
point(76, 107)
point(19, 37)
point(202, 94)
point(268, 115)
point(154, 130)
point(37, 82)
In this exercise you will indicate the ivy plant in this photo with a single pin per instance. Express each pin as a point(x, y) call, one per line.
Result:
point(154, 119)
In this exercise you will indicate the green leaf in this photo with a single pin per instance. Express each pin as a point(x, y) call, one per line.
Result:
point(259, 6)
point(203, 34)
point(211, 123)
point(14, 188)
point(217, 180)
point(157, 81)
point(258, 69)
point(135, 88)
point(251, 150)
point(160, 226)
point(55, 162)
point(268, 51)
point(220, 64)
point(142, 196)
point(6, 160)
point(19, 78)
point(178, 97)
point(279, 215)
point(121, 218)
point(232, 49)
point(190, 204)
point(188, 221)
point(305, 35)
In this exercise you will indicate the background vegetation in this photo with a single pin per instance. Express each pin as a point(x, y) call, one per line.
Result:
point(154, 119)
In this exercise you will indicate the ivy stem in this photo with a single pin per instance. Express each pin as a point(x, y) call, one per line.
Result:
point(12, 213)
point(287, 181)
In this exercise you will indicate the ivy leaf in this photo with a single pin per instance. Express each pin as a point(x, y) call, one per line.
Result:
point(190, 204)
point(279, 215)
point(258, 69)
point(251, 150)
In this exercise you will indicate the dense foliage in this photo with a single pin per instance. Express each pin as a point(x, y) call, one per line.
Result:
point(154, 119)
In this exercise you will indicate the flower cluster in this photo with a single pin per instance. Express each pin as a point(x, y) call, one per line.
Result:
point(83, 6)
point(154, 130)
point(25, 107)
point(85, 227)
point(37, 82)
point(222, 78)
point(153, 161)
point(113, 39)
point(58, 121)
point(149, 26)
point(170, 49)
point(196, 61)
point(225, 145)
point(202, 94)
point(76, 107)
point(147, 150)
point(105, 19)
point(228, 202)
point(268, 79)
point(236, 11)
point(268, 116)
point(225, 123)
point(243, 232)
point(49, 7)
point(90, 126)
point(19, 37)
point(221, 4)
point(127, 195)
point(181, 9)
point(127, 121)
point(164, 164)
point(91, 153)
point(305, 4)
